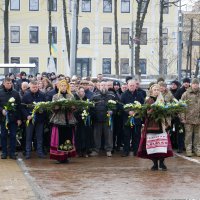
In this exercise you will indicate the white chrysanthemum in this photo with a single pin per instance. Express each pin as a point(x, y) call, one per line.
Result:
point(12, 100)
point(112, 101)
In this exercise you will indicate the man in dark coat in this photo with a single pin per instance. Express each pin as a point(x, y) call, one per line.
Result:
point(134, 132)
point(185, 86)
point(100, 119)
point(34, 95)
point(10, 118)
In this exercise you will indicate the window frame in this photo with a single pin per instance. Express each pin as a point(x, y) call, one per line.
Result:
point(121, 71)
point(144, 35)
point(56, 36)
point(145, 60)
point(14, 70)
point(106, 1)
point(85, 32)
point(165, 65)
point(166, 9)
point(55, 61)
point(12, 8)
point(107, 32)
point(142, 8)
point(125, 31)
point(82, 6)
point(35, 70)
point(34, 9)
point(33, 32)
point(124, 1)
point(103, 64)
point(165, 36)
point(14, 32)
point(53, 10)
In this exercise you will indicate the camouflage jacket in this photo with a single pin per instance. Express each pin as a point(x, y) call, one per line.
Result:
point(192, 114)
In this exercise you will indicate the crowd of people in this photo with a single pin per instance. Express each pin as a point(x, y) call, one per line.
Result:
point(64, 134)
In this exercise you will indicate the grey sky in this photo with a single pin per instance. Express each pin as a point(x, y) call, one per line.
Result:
point(188, 5)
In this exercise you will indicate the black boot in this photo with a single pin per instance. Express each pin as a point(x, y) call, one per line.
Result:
point(155, 165)
point(162, 165)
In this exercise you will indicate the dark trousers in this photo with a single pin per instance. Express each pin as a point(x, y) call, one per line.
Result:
point(38, 127)
point(117, 131)
point(133, 134)
point(100, 129)
point(12, 128)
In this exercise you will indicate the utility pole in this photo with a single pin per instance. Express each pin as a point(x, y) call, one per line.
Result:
point(132, 49)
point(180, 41)
point(73, 38)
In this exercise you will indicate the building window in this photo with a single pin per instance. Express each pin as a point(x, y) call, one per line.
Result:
point(107, 35)
point(106, 66)
point(14, 4)
point(85, 36)
point(166, 7)
point(55, 61)
point(35, 70)
point(165, 36)
point(107, 6)
point(53, 5)
point(86, 5)
point(33, 5)
point(124, 66)
point(143, 37)
point(15, 34)
point(15, 60)
point(165, 65)
point(125, 6)
point(33, 37)
point(53, 36)
point(143, 66)
point(125, 36)
point(144, 2)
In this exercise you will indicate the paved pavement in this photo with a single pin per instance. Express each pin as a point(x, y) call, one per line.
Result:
point(13, 183)
point(99, 178)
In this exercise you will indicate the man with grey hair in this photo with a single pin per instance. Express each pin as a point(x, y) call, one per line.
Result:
point(131, 133)
point(101, 126)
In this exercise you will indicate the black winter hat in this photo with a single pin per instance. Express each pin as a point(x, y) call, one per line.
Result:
point(186, 80)
point(176, 83)
point(116, 83)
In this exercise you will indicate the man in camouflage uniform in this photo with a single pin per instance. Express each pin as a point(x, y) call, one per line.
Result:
point(191, 118)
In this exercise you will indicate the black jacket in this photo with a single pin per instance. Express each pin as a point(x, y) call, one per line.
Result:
point(28, 99)
point(19, 83)
point(100, 110)
point(5, 95)
point(179, 93)
point(129, 97)
point(50, 94)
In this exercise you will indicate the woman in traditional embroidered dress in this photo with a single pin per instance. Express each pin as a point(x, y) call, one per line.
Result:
point(62, 137)
point(155, 143)
point(83, 136)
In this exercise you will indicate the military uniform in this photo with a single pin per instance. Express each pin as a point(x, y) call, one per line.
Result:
point(192, 121)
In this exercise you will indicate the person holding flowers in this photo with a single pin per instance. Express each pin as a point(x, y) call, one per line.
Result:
point(155, 143)
point(132, 125)
point(102, 118)
point(83, 136)
point(33, 121)
point(63, 126)
point(10, 117)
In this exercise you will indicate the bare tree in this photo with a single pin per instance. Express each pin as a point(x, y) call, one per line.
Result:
point(6, 35)
point(142, 6)
point(67, 39)
point(164, 5)
point(116, 39)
